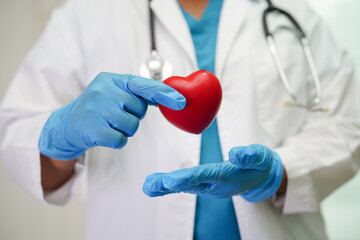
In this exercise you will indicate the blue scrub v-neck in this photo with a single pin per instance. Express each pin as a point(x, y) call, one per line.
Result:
point(214, 218)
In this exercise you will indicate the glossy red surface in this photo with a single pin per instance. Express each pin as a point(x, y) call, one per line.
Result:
point(203, 94)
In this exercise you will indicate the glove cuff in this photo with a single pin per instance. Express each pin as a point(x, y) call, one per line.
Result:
point(53, 142)
point(270, 186)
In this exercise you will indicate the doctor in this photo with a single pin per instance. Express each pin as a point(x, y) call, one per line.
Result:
point(61, 116)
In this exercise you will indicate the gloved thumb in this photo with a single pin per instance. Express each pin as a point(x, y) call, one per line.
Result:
point(156, 92)
point(255, 156)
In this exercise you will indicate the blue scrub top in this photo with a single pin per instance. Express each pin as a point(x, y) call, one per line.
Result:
point(214, 218)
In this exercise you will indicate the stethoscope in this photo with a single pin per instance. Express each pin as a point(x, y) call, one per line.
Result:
point(158, 68)
point(155, 66)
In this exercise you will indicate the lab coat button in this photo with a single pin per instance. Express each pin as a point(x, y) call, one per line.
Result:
point(187, 165)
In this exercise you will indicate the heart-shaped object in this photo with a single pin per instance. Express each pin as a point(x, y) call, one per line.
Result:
point(203, 94)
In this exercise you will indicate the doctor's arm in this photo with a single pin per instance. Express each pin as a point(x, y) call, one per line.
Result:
point(254, 172)
point(325, 153)
point(105, 114)
point(48, 110)
point(54, 173)
point(50, 76)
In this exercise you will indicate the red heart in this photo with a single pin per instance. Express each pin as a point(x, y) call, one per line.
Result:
point(203, 94)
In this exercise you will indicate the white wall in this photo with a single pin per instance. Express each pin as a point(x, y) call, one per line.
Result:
point(22, 217)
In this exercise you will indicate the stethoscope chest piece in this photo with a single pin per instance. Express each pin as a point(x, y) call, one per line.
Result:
point(156, 67)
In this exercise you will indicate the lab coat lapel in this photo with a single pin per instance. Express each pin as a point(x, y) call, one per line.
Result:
point(168, 13)
point(231, 20)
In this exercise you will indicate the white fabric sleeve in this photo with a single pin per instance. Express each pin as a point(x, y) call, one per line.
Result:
point(326, 152)
point(49, 77)
point(66, 192)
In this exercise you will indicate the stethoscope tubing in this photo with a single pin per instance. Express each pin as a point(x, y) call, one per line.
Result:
point(307, 51)
point(152, 28)
point(272, 48)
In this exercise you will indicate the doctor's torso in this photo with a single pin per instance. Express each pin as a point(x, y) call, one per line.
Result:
point(114, 37)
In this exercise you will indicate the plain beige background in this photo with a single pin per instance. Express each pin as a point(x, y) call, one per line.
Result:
point(23, 217)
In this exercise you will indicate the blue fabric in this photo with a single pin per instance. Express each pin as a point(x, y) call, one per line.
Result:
point(214, 218)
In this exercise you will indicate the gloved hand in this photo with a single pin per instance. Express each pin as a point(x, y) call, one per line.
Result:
point(105, 114)
point(254, 172)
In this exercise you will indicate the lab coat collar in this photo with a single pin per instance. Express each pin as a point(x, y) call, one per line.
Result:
point(170, 16)
point(232, 18)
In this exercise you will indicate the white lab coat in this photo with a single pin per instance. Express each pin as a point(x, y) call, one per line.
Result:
point(320, 150)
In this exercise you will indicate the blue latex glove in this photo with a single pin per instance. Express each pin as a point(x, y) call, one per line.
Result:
point(254, 172)
point(105, 114)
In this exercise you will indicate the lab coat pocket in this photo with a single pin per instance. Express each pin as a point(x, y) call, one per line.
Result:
point(278, 120)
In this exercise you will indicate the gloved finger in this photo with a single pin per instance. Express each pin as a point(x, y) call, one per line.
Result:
point(198, 189)
point(134, 105)
point(255, 156)
point(106, 137)
point(187, 178)
point(156, 194)
point(153, 186)
point(156, 92)
point(124, 122)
